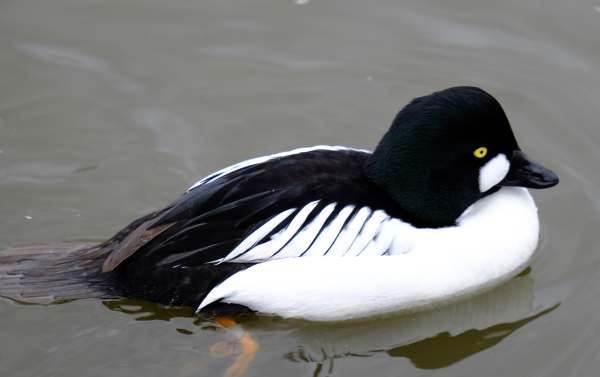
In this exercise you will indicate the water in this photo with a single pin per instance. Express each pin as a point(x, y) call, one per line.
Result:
point(110, 109)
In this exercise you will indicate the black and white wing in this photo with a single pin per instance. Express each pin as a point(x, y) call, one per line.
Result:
point(307, 202)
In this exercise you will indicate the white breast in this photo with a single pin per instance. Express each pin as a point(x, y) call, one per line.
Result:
point(493, 241)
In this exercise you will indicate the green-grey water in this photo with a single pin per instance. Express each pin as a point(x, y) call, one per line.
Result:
point(110, 109)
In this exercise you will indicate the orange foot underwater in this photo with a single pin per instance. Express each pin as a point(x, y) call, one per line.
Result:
point(242, 344)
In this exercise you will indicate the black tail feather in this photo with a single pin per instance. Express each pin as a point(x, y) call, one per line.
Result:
point(47, 274)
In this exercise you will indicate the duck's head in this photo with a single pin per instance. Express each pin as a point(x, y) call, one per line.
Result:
point(445, 151)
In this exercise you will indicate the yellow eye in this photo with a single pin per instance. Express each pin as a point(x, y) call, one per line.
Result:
point(480, 152)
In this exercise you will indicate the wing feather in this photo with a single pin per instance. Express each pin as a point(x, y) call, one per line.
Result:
point(350, 232)
point(367, 233)
point(312, 202)
point(303, 239)
point(330, 233)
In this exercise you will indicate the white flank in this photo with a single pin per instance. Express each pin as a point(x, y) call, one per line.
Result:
point(493, 172)
point(493, 241)
point(258, 160)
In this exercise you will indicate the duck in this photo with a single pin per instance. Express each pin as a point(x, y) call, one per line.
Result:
point(438, 211)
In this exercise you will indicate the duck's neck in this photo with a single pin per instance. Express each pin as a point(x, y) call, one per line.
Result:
point(431, 207)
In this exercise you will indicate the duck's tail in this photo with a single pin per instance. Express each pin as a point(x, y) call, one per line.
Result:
point(54, 273)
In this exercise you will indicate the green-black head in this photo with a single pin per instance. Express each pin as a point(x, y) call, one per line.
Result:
point(445, 151)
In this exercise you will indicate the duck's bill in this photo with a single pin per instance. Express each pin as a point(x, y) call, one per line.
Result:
point(527, 173)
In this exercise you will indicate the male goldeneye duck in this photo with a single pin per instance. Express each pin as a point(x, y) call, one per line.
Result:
point(438, 211)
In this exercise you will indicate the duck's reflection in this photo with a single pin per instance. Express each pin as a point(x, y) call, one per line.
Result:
point(147, 311)
point(444, 349)
point(430, 340)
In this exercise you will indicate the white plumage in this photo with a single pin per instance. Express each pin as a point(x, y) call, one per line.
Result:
point(366, 233)
point(494, 240)
point(493, 172)
point(330, 233)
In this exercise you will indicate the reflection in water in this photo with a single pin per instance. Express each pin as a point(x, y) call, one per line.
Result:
point(147, 311)
point(430, 340)
point(445, 349)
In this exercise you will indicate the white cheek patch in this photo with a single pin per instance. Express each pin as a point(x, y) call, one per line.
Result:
point(493, 172)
